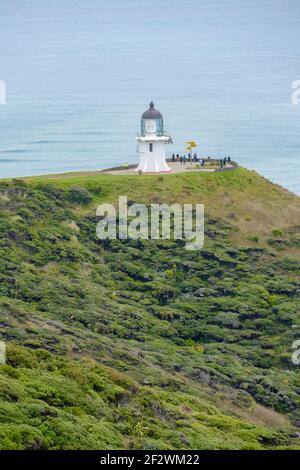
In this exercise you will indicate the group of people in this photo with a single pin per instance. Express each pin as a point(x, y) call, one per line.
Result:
point(223, 161)
point(195, 159)
point(190, 158)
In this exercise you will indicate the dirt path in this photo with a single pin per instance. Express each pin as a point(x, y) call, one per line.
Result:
point(176, 168)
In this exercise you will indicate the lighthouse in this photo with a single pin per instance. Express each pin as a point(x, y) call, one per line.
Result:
point(151, 143)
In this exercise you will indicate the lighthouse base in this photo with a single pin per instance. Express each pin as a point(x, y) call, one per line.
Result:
point(152, 156)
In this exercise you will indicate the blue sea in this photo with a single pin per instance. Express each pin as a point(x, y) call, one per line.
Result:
point(79, 74)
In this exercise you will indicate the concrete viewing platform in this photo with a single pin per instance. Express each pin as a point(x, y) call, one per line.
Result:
point(210, 166)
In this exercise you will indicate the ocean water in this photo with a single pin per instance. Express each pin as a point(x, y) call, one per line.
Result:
point(80, 73)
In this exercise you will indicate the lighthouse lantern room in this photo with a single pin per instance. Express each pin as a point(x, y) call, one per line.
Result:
point(151, 143)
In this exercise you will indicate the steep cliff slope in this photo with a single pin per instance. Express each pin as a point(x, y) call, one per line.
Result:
point(143, 344)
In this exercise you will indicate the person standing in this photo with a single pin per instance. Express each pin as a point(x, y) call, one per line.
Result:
point(126, 165)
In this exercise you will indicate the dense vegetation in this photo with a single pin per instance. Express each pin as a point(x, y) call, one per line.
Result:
point(142, 344)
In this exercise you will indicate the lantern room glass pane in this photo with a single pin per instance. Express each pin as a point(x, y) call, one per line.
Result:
point(159, 127)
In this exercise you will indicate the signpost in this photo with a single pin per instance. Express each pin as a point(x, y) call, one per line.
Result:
point(191, 144)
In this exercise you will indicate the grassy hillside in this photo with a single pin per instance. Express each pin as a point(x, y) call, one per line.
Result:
point(248, 201)
point(142, 344)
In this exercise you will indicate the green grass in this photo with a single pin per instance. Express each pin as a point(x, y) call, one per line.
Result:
point(142, 344)
point(250, 202)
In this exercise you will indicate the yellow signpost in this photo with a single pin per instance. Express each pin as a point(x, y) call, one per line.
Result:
point(191, 144)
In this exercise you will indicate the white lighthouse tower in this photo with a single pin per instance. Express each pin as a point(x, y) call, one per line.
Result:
point(151, 143)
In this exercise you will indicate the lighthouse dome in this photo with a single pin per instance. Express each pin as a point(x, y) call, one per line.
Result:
point(152, 115)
